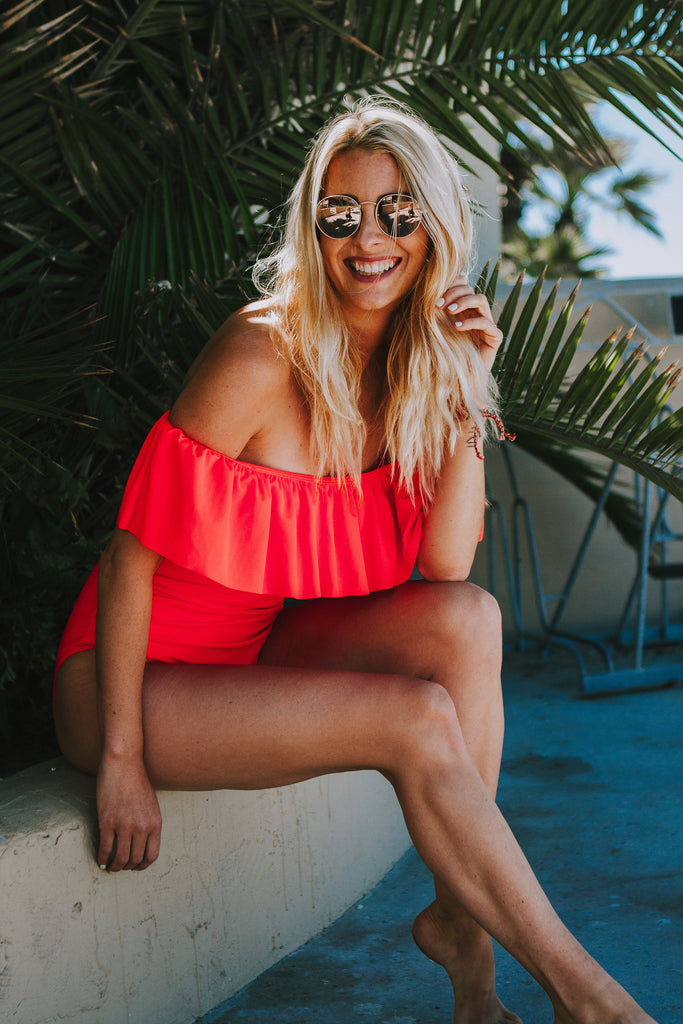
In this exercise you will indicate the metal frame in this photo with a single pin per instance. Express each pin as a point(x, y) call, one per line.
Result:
point(655, 531)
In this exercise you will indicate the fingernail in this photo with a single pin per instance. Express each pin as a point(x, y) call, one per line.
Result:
point(440, 302)
point(103, 867)
point(453, 306)
point(458, 323)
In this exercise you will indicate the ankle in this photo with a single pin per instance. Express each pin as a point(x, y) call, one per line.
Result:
point(443, 935)
point(605, 1003)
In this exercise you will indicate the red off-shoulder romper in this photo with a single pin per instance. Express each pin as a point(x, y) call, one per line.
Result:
point(238, 538)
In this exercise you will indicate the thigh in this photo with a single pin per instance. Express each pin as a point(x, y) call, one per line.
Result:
point(251, 726)
point(448, 633)
point(426, 629)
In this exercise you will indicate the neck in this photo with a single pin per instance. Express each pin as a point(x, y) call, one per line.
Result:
point(371, 334)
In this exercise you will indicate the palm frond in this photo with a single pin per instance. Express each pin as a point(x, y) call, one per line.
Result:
point(149, 140)
point(614, 406)
point(144, 149)
point(589, 476)
point(39, 387)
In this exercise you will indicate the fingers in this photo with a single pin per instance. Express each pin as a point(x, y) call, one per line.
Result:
point(469, 311)
point(121, 853)
point(129, 816)
point(462, 297)
point(460, 288)
point(488, 332)
point(127, 848)
point(151, 851)
point(129, 852)
point(106, 847)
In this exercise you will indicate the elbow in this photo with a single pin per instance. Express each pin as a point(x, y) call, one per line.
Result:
point(125, 561)
point(116, 557)
point(113, 575)
point(109, 564)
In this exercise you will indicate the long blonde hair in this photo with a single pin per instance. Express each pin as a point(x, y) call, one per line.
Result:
point(435, 377)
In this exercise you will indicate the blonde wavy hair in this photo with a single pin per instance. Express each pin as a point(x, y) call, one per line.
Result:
point(434, 375)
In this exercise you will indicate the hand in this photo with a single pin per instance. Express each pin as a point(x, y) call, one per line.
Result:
point(129, 816)
point(470, 312)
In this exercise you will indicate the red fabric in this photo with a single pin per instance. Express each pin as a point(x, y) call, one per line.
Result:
point(264, 530)
point(237, 538)
point(193, 620)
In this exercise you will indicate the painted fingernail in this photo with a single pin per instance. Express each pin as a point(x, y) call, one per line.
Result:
point(103, 867)
point(458, 323)
point(440, 302)
point(453, 306)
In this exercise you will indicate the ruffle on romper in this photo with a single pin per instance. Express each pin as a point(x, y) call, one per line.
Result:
point(268, 531)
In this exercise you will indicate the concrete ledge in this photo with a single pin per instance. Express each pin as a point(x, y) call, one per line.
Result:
point(243, 879)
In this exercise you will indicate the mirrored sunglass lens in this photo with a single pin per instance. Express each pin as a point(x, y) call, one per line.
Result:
point(338, 216)
point(398, 215)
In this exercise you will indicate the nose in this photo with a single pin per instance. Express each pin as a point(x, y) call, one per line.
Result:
point(369, 232)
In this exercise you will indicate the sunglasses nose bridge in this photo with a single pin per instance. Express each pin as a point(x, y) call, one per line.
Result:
point(369, 221)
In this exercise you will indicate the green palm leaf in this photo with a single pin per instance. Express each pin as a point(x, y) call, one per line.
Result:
point(39, 387)
point(213, 104)
point(606, 409)
point(142, 146)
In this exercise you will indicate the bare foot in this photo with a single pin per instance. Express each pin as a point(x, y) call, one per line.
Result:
point(471, 972)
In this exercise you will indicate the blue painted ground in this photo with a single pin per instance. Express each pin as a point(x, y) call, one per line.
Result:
point(593, 790)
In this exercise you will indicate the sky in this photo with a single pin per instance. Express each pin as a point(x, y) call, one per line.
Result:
point(637, 253)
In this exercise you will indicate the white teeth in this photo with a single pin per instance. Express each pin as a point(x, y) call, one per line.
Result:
point(370, 269)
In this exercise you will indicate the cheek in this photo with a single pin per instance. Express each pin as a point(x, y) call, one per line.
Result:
point(329, 249)
point(419, 252)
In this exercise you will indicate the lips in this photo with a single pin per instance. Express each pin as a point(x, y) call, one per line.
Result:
point(372, 268)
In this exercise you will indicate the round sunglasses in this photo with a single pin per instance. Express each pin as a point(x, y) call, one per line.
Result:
point(396, 213)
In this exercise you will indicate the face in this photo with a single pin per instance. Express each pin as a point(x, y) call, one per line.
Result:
point(370, 271)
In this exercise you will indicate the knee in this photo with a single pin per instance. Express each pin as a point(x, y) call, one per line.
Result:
point(465, 614)
point(430, 736)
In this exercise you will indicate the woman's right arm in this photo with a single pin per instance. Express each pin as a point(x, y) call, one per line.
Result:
point(232, 391)
point(127, 807)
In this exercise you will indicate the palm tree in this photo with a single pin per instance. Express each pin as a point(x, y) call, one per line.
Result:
point(144, 143)
point(145, 150)
point(566, 186)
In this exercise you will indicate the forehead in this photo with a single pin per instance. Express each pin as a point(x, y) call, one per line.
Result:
point(363, 173)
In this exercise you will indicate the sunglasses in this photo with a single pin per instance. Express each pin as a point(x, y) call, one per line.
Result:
point(397, 215)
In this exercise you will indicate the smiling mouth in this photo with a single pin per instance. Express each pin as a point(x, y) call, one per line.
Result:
point(373, 268)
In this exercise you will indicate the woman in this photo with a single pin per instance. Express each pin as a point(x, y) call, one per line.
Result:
point(328, 436)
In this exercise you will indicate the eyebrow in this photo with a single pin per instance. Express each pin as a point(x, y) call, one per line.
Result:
point(382, 195)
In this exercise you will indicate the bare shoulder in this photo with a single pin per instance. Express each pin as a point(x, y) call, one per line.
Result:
point(242, 347)
point(234, 384)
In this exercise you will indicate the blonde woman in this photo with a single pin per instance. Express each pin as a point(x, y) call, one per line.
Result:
point(328, 438)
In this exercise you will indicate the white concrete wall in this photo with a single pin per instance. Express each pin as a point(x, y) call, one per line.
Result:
point(243, 878)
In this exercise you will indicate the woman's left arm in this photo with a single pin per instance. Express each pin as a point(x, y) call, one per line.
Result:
point(452, 525)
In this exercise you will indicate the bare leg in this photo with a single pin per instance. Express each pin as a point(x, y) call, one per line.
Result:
point(449, 633)
point(255, 727)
